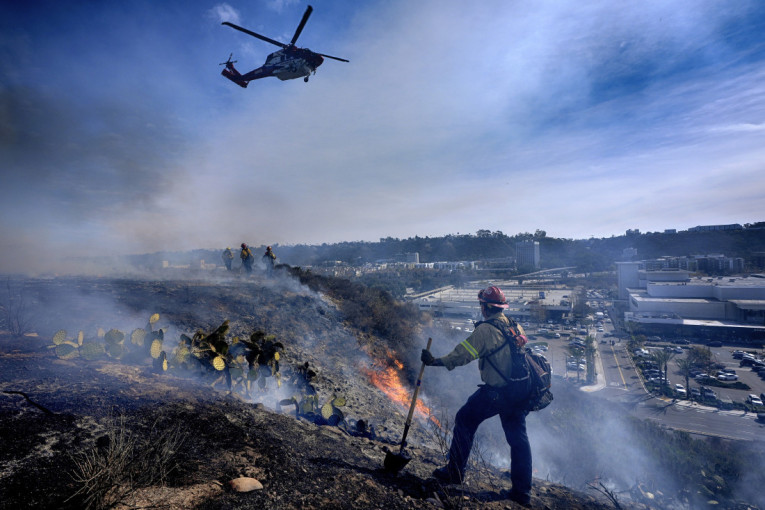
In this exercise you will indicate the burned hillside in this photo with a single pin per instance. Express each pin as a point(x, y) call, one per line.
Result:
point(64, 415)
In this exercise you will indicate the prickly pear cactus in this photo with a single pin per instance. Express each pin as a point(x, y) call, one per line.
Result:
point(182, 354)
point(137, 337)
point(91, 350)
point(59, 337)
point(156, 348)
point(80, 337)
point(330, 411)
point(114, 350)
point(66, 350)
point(114, 336)
point(160, 363)
point(101, 332)
point(219, 363)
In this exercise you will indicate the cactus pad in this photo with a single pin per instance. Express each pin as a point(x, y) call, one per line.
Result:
point(137, 337)
point(66, 351)
point(115, 350)
point(156, 348)
point(59, 337)
point(182, 354)
point(80, 337)
point(114, 336)
point(218, 363)
point(91, 350)
point(154, 318)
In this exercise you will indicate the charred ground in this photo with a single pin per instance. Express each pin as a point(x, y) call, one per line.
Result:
point(55, 412)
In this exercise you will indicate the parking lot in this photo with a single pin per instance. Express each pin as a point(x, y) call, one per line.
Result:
point(723, 356)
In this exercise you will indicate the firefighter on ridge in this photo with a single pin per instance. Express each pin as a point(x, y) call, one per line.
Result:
point(247, 258)
point(228, 257)
point(505, 392)
point(269, 259)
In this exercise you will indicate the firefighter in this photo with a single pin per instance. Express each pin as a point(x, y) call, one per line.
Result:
point(228, 257)
point(269, 259)
point(247, 258)
point(505, 392)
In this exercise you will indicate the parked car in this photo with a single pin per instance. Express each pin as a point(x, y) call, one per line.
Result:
point(695, 393)
point(727, 377)
point(701, 376)
point(754, 400)
point(680, 390)
point(708, 393)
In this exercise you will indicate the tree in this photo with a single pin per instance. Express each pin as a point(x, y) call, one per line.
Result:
point(662, 358)
point(701, 357)
point(576, 352)
point(686, 366)
point(589, 353)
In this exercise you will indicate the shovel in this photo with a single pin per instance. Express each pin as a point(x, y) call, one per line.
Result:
point(395, 462)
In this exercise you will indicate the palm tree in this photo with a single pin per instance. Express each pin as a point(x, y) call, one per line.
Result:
point(576, 352)
point(589, 353)
point(662, 358)
point(686, 365)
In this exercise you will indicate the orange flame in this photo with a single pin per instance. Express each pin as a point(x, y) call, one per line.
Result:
point(388, 380)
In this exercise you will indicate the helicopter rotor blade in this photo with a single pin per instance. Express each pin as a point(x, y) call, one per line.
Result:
point(249, 32)
point(303, 21)
point(335, 58)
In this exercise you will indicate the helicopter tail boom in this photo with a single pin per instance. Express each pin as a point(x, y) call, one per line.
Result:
point(232, 74)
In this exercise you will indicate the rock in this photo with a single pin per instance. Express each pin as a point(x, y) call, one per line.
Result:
point(245, 484)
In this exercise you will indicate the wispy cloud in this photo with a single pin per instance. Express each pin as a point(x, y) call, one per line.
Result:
point(225, 12)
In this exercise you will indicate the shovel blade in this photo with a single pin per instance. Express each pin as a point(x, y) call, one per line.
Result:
point(395, 462)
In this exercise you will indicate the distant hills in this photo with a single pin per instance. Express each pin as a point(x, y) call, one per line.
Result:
point(588, 255)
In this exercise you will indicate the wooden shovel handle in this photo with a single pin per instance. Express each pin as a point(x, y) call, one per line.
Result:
point(414, 400)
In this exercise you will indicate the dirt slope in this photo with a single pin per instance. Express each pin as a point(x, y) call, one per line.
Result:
point(73, 408)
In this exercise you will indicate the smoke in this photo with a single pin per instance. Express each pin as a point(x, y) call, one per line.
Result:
point(579, 438)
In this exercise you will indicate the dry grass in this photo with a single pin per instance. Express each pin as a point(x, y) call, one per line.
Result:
point(120, 462)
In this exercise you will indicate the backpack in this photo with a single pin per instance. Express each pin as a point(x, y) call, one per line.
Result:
point(535, 365)
point(541, 380)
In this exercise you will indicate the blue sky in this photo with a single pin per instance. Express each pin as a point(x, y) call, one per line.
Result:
point(118, 134)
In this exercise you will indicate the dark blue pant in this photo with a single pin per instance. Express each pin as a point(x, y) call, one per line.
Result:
point(509, 404)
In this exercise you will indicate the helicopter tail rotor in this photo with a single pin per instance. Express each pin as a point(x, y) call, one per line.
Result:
point(229, 61)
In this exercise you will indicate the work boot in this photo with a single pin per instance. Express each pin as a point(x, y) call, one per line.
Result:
point(447, 476)
point(522, 499)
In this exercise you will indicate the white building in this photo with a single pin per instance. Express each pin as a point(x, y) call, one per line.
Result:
point(672, 302)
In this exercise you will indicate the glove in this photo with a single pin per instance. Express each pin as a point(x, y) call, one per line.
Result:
point(427, 358)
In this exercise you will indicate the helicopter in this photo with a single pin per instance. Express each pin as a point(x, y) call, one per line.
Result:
point(286, 64)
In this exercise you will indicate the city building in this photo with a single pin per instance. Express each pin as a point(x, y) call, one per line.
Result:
point(412, 257)
point(670, 302)
point(526, 302)
point(527, 254)
point(710, 228)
